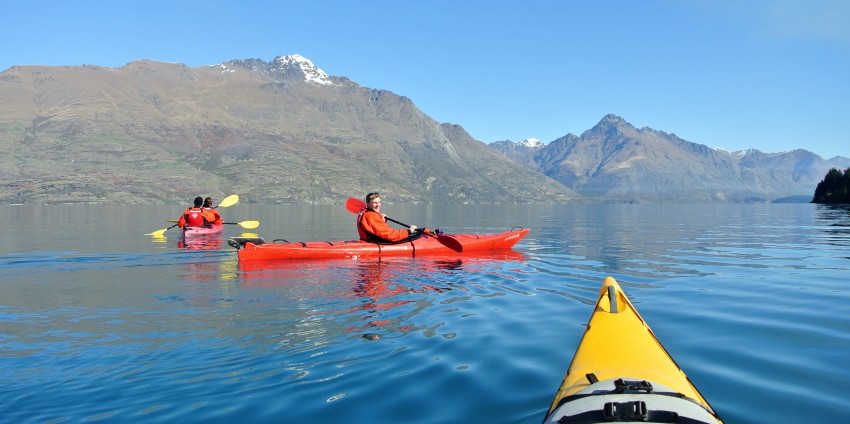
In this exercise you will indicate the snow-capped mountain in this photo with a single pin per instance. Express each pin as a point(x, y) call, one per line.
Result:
point(279, 131)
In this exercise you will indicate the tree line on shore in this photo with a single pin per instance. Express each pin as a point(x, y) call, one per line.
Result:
point(835, 187)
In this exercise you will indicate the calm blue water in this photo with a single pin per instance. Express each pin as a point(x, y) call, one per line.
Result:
point(99, 323)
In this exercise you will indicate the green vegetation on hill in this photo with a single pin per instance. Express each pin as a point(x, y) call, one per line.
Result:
point(835, 187)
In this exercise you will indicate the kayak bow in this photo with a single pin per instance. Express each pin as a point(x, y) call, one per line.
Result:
point(621, 372)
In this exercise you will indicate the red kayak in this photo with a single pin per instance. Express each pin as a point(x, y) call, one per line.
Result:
point(255, 248)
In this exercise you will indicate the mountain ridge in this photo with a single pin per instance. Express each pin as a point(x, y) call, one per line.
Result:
point(615, 161)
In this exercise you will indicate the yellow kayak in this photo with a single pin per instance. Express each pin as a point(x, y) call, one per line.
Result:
point(622, 373)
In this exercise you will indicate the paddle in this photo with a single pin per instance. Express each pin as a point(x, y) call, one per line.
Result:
point(160, 233)
point(228, 201)
point(355, 205)
point(245, 224)
point(225, 203)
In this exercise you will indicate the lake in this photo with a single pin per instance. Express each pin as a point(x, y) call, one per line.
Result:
point(101, 323)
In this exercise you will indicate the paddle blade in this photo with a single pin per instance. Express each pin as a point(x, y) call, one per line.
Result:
point(229, 201)
point(246, 224)
point(158, 233)
point(354, 205)
point(450, 242)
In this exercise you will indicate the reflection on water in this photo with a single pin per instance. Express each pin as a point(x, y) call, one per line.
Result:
point(201, 242)
point(834, 220)
point(388, 292)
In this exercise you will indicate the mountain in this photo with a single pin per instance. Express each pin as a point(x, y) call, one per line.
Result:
point(839, 162)
point(615, 161)
point(522, 152)
point(281, 131)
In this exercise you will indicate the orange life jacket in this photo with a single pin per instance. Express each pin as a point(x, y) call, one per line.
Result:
point(211, 216)
point(379, 230)
point(362, 231)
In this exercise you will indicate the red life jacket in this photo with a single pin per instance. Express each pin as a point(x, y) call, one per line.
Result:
point(363, 234)
point(194, 217)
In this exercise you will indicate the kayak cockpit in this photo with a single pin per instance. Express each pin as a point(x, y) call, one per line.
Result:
point(624, 400)
point(239, 242)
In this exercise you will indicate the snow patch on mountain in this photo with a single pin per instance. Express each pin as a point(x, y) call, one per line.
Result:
point(531, 142)
point(312, 73)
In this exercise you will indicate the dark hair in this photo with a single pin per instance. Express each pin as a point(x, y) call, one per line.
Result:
point(371, 196)
point(208, 201)
point(199, 201)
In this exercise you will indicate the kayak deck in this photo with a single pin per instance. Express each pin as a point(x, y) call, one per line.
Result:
point(621, 372)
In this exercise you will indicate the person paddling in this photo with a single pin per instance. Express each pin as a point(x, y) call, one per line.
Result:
point(194, 216)
point(210, 214)
point(372, 224)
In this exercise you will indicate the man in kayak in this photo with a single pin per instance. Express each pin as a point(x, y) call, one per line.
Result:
point(210, 214)
point(194, 216)
point(372, 224)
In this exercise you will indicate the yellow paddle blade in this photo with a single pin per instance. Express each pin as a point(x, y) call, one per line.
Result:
point(250, 235)
point(158, 233)
point(229, 201)
point(245, 224)
point(173, 220)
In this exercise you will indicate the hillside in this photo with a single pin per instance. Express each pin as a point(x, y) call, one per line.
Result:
point(274, 132)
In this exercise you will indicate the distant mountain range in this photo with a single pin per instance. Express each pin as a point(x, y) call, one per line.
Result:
point(286, 132)
point(614, 161)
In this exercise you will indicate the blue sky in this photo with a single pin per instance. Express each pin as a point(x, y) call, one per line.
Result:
point(767, 74)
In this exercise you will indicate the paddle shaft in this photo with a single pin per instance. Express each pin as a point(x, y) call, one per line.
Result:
point(397, 222)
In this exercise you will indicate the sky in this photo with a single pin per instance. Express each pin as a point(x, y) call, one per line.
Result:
point(772, 75)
